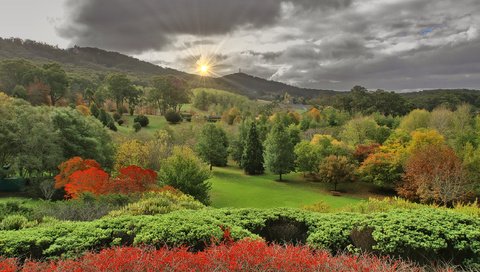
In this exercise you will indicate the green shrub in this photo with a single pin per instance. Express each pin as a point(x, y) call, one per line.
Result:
point(154, 203)
point(15, 222)
point(173, 117)
point(137, 127)
point(142, 120)
point(117, 116)
point(87, 208)
point(14, 207)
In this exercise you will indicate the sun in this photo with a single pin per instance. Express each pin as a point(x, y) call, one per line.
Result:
point(203, 69)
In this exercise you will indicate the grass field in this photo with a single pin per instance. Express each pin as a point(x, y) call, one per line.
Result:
point(156, 123)
point(231, 188)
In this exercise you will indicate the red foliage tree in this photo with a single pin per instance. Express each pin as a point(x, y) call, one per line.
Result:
point(434, 174)
point(67, 168)
point(362, 151)
point(133, 179)
point(93, 180)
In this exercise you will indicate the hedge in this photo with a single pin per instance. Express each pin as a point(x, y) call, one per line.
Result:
point(421, 235)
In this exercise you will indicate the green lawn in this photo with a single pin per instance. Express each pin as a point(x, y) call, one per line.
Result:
point(155, 123)
point(231, 188)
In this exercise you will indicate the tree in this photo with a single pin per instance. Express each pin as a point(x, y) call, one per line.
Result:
point(70, 166)
point(424, 137)
point(57, 81)
point(337, 169)
point(184, 171)
point(93, 180)
point(252, 158)
point(308, 157)
point(169, 92)
point(279, 152)
point(131, 152)
point(359, 130)
point(119, 88)
point(416, 119)
point(133, 98)
point(212, 145)
point(82, 136)
point(237, 145)
point(363, 151)
point(133, 179)
point(434, 173)
point(381, 169)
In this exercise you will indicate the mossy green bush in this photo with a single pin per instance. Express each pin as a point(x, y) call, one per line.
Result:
point(154, 203)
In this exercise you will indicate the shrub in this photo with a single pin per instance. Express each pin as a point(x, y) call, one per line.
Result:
point(137, 127)
point(67, 168)
point(173, 117)
point(142, 120)
point(14, 222)
point(422, 235)
point(184, 171)
point(245, 255)
point(117, 116)
point(121, 122)
point(154, 203)
point(86, 208)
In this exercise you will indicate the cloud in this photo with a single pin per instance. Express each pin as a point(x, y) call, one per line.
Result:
point(329, 44)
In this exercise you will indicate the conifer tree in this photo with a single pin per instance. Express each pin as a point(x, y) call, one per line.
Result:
point(252, 158)
point(212, 145)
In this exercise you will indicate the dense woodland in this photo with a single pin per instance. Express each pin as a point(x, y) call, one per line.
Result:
point(101, 149)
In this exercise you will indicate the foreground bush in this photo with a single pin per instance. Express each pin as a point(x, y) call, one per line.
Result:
point(246, 255)
point(421, 235)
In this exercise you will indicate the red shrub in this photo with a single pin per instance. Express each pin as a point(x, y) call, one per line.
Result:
point(244, 255)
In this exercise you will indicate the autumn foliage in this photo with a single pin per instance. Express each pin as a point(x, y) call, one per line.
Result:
point(434, 173)
point(246, 255)
point(67, 168)
point(78, 176)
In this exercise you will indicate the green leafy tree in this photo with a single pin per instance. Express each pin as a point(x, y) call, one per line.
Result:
point(212, 145)
point(279, 154)
point(57, 80)
point(184, 171)
point(252, 158)
point(308, 157)
point(119, 88)
point(360, 130)
point(169, 92)
point(416, 119)
point(82, 136)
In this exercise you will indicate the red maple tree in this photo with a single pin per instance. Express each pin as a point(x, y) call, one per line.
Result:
point(67, 168)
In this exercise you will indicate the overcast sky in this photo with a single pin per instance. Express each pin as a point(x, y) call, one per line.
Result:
point(328, 44)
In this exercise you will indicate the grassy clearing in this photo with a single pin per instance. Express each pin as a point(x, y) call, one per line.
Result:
point(231, 188)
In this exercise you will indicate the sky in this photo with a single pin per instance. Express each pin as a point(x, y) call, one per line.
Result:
point(323, 44)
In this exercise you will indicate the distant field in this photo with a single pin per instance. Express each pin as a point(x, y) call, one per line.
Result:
point(231, 188)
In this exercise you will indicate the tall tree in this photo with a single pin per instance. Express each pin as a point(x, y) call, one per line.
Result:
point(279, 155)
point(169, 92)
point(57, 81)
point(212, 145)
point(252, 158)
point(119, 88)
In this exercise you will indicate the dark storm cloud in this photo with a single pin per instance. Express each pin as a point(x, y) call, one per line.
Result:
point(140, 25)
point(331, 44)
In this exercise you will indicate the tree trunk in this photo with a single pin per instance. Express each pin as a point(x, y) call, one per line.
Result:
point(280, 176)
point(211, 167)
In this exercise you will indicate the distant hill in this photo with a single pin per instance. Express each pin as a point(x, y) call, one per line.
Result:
point(256, 87)
point(84, 59)
point(92, 62)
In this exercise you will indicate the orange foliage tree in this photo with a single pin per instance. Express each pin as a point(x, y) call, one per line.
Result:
point(133, 179)
point(362, 151)
point(93, 180)
point(67, 168)
point(434, 173)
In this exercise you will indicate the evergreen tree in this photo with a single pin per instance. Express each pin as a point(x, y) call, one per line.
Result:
point(252, 158)
point(212, 145)
point(279, 155)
